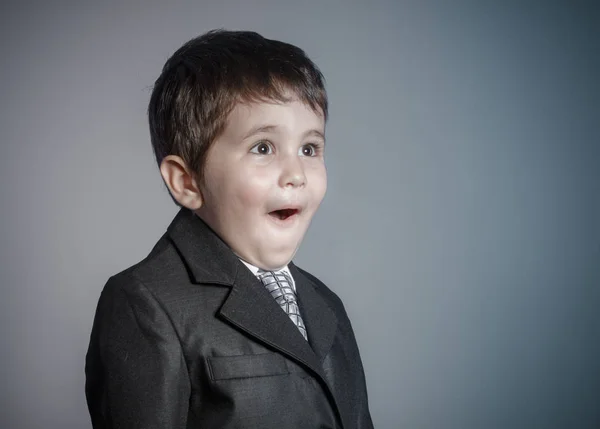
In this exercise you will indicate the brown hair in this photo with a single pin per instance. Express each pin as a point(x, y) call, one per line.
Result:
point(205, 78)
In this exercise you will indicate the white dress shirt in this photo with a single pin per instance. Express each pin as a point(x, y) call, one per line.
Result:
point(285, 269)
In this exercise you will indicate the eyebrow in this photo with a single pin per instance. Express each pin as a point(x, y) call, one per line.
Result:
point(313, 133)
point(273, 128)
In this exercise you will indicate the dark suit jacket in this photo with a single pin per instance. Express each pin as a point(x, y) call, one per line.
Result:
point(189, 338)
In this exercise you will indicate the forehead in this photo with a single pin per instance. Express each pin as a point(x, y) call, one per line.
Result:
point(293, 116)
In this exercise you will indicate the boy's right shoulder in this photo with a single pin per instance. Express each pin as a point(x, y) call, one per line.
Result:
point(188, 253)
point(152, 272)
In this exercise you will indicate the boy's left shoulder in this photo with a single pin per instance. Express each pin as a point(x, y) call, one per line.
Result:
point(325, 292)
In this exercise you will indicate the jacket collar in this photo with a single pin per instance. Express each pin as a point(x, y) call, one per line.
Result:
point(207, 257)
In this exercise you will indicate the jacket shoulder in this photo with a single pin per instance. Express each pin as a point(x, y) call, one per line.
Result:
point(155, 270)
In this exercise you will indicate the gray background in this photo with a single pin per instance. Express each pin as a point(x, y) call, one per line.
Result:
point(461, 224)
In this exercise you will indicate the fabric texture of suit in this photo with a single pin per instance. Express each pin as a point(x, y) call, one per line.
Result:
point(190, 338)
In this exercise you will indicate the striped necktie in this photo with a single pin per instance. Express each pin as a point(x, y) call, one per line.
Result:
point(279, 285)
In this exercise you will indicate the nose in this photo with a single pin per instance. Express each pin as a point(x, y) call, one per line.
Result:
point(292, 173)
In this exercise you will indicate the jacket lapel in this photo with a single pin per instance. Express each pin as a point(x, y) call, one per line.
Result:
point(319, 318)
point(249, 306)
point(321, 324)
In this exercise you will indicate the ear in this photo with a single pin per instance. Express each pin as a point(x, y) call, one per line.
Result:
point(180, 182)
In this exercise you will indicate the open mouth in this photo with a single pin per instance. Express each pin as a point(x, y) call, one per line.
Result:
point(284, 214)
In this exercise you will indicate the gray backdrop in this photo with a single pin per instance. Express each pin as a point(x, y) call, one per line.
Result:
point(461, 225)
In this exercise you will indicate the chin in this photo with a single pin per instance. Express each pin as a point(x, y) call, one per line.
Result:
point(277, 260)
point(276, 263)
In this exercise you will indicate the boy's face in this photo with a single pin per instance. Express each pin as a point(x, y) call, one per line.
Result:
point(264, 178)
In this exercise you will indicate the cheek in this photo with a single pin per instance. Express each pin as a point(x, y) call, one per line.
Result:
point(318, 178)
point(250, 191)
point(234, 187)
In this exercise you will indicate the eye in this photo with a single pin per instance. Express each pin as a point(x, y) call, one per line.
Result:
point(309, 150)
point(262, 148)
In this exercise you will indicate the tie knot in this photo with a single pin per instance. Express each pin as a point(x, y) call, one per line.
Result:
point(279, 285)
point(268, 277)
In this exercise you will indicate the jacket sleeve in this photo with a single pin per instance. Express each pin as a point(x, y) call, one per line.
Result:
point(136, 375)
point(356, 396)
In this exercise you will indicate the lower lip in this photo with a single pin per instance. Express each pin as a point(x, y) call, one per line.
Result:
point(290, 220)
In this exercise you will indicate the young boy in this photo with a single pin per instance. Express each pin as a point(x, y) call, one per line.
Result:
point(216, 327)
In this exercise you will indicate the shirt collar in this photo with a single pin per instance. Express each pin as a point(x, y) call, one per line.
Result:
point(255, 269)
